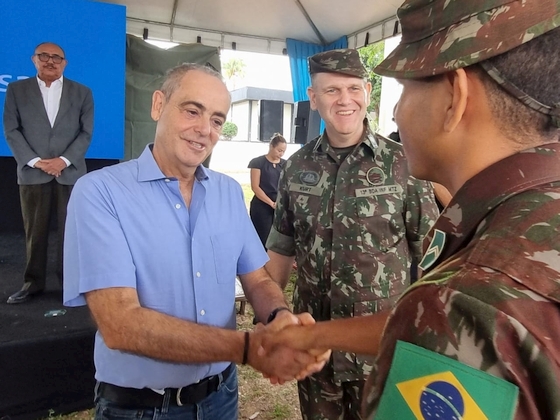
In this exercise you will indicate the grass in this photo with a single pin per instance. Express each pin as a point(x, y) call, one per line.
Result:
point(258, 399)
point(281, 411)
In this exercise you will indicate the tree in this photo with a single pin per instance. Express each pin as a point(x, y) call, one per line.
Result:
point(372, 55)
point(233, 70)
point(229, 130)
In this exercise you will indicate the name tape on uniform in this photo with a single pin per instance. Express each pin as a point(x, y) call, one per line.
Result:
point(306, 189)
point(384, 189)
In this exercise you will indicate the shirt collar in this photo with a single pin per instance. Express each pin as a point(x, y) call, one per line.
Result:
point(43, 84)
point(148, 169)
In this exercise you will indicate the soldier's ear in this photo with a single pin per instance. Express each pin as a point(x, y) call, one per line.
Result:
point(458, 104)
point(311, 95)
point(368, 93)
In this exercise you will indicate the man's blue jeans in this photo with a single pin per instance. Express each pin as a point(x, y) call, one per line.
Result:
point(220, 405)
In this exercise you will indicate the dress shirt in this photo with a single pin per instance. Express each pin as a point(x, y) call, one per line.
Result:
point(51, 99)
point(128, 226)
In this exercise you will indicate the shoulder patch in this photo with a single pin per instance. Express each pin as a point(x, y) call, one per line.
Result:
point(434, 250)
point(376, 176)
point(309, 177)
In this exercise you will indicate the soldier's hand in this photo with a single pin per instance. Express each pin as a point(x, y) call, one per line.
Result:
point(282, 363)
point(290, 322)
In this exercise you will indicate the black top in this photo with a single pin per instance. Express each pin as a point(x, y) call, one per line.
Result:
point(270, 174)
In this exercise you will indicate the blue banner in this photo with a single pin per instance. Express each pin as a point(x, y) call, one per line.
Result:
point(93, 36)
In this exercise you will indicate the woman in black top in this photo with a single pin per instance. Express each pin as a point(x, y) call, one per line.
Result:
point(265, 174)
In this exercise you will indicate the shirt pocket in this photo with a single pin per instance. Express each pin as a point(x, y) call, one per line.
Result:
point(381, 222)
point(226, 248)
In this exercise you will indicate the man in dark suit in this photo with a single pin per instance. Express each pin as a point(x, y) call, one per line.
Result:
point(48, 123)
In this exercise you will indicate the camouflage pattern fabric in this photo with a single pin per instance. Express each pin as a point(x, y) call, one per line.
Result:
point(354, 227)
point(321, 399)
point(491, 298)
point(346, 61)
point(443, 35)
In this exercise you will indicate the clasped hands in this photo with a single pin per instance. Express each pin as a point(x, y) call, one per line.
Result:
point(53, 166)
point(278, 358)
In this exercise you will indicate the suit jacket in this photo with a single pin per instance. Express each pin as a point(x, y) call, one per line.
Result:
point(29, 133)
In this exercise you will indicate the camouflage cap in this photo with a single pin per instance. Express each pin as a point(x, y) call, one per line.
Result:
point(345, 61)
point(444, 35)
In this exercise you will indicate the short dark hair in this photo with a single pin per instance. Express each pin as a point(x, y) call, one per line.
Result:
point(276, 139)
point(174, 75)
point(533, 68)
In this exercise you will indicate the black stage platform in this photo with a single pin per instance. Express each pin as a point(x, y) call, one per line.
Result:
point(46, 363)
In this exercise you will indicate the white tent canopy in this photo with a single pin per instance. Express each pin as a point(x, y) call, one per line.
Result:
point(261, 25)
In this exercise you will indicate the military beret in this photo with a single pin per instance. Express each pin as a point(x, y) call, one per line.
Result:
point(443, 35)
point(345, 61)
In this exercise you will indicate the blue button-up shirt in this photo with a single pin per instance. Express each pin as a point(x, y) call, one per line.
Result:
point(128, 226)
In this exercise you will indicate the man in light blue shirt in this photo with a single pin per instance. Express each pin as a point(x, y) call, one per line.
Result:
point(153, 246)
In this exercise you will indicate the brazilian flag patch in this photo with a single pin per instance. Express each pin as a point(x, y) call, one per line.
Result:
point(424, 385)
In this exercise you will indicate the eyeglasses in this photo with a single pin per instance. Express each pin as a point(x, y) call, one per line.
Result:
point(44, 57)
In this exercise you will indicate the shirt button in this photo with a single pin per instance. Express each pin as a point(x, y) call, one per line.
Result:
point(167, 180)
point(177, 206)
point(202, 312)
point(197, 274)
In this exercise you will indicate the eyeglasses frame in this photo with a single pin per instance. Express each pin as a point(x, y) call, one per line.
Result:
point(52, 57)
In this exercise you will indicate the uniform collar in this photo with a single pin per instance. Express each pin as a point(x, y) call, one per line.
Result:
point(480, 196)
point(368, 139)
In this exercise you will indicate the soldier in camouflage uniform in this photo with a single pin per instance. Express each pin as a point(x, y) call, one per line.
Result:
point(487, 76)
point(479, 113)
point(353, 218)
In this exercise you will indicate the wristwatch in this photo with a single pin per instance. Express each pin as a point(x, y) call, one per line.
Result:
point(275, 312)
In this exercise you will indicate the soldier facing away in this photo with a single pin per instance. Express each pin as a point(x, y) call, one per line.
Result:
point(352, 216)
point(480, 114)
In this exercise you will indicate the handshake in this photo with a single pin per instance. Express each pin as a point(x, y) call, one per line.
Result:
point(284, 349)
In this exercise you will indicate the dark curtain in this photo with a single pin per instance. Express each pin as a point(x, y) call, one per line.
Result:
point(146, 66)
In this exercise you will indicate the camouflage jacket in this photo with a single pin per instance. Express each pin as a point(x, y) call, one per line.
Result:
point(354, 227)
point(491, 299)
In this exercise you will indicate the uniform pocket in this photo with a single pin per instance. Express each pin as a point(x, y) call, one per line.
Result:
point(307, 211)
point(373, 306)
point(381, 221)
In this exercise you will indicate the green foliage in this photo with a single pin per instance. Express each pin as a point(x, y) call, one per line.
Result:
point(372, 55)
point(234, 67)
point(233, 70)
point(229, 130)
